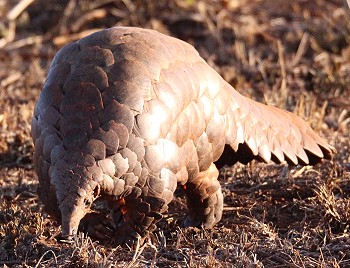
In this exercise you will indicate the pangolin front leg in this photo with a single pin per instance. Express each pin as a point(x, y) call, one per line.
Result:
point(98, 226)
point(136, 218)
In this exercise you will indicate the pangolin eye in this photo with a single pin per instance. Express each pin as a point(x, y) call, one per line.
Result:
point(87, 203)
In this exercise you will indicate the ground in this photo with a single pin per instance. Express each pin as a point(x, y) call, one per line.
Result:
point(291, 54)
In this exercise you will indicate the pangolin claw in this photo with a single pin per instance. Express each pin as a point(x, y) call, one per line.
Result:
point(97, 226)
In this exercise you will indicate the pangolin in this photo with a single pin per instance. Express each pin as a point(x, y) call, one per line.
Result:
point(127, 114)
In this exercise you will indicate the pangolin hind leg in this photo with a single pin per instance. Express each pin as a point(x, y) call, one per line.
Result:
point(204, 199)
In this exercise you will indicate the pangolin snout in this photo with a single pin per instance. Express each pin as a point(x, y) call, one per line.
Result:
point(71, 214)
point(73, 209)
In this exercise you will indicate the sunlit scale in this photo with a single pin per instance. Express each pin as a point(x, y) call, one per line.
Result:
point(169, 149)
point(157, 109)
point(213, 88)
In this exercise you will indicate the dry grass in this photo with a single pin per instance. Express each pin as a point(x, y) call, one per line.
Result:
point(293, 55)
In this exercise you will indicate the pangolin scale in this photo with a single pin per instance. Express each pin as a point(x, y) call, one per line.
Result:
point(127, 114)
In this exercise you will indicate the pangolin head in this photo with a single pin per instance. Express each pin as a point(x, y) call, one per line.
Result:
point(75, 197)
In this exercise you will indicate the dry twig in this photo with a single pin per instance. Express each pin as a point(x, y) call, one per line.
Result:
point(64, 39)
point(18, 9)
